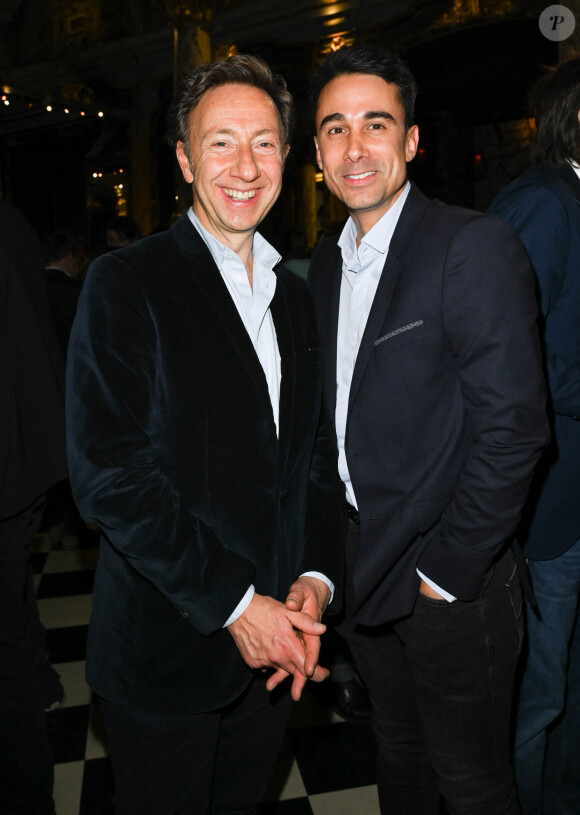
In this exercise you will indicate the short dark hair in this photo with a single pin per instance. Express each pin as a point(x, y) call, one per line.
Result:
point(125, 228)
point(555, 102)
point(240, 69)
point(368, 59)
point(57, 245)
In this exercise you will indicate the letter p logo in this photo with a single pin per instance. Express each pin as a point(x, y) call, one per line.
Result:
point(557, 23)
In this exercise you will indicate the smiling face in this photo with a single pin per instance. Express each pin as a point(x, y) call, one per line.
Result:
point(362, 144)
point(237, 157)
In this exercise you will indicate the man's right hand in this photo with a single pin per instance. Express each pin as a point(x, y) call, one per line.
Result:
point(267, 635)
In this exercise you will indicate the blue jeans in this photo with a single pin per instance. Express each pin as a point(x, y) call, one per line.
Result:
point(441, 685)
point(547, 740)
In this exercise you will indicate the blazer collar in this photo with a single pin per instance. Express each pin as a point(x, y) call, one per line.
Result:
point(201, 266)
point(571, 177)
point(402, 237)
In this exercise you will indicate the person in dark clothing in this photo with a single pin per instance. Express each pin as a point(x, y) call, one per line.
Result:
point(543, 206)
point(32, 450)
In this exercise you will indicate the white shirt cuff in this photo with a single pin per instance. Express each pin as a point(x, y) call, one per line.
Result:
point(241, 607)
point(324, 579)
point(445, 594)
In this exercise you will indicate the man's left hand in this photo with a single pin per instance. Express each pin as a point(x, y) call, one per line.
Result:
point(310, 595)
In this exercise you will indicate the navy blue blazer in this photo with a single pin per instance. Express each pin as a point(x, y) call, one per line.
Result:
point(446, 417)
point(543, 205)
point(173, 452)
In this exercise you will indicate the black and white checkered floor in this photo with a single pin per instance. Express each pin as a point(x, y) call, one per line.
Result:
point(326, 767)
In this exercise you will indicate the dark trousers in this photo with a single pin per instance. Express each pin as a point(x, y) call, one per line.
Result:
point(440, 682)
point(218, 763)
point(26, 761)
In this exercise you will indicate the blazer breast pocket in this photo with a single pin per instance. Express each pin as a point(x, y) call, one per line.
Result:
point(406, 334)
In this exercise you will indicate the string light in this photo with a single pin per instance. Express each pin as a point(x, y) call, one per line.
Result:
point(19, 102)
point(100, 174)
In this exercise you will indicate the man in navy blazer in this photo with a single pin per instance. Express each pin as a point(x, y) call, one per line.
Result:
point(194, 400)
point(433, 378)
point(544, 207)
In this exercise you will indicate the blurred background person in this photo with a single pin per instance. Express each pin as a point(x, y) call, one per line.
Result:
point(65, 260)
point(122, 231)
point(544, 207)
point(32, 448)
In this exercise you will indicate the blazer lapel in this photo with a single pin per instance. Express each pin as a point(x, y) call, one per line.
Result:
point(284, 336)
point(330, 329)
point(202, 269)
point(394, 264)
point(570, 177)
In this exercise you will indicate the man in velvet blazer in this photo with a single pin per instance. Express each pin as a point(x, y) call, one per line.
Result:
point(194, 399)
point(432, 374)
point(543, 205)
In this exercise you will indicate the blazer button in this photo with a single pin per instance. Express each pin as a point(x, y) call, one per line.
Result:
point(185, 615)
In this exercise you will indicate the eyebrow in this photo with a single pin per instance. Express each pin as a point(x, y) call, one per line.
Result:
point(370, 114)
point(229, 131)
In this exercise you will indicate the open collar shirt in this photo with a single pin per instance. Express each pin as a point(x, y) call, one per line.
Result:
point(253, 306)
point(362, 267)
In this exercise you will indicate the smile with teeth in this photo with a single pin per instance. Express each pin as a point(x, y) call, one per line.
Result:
point(360, 176)
point(238, 195)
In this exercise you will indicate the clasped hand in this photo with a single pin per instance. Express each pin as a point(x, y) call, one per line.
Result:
point(286, 637)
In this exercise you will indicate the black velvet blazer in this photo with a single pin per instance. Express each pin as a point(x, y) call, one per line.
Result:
point(446, 415)
point(173, 451)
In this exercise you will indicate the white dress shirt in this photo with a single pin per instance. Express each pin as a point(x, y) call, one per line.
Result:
point(253, 306)
point(362, 267)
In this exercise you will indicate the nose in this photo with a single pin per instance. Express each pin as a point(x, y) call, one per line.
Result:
point(245, 165)
point(355, 147)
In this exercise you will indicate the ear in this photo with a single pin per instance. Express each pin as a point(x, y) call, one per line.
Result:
point(411, 142)
point(184, 163)
point(318, 156)
point(286, 151)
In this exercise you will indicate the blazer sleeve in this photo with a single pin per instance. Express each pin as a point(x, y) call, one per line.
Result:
point(540, 217)
point(489, 313)
point(121, 477)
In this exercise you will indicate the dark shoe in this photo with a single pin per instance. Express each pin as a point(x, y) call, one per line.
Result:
point(351, 701)
point(52, 689)
point(348, 699)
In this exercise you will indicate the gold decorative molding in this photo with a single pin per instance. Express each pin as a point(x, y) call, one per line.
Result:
point(468, 11)
point(191, 12)
point(228, 49)
point(74, 20)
